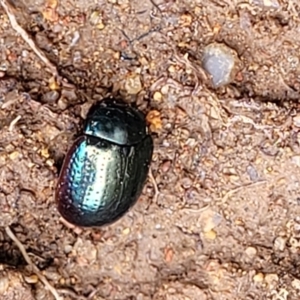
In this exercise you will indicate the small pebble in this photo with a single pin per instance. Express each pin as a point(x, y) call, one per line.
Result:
point(296, 160)
point(4, 284)
point(158, 226)
point(69, 94)
point(68, 249)
point(126, 231)
point(50, 97)
point(251, 171)
point(210, 235)
point(186, 20)
point(45, 152)
point(157, 96)
point(296, 284)
point(165, 166)
point(172, 69)
point(75, 38)
point(53, 84)
point(14, 155)
point(296, 121)
point(4, 65)
point(219, 60)
point(279, 243)
point(267, 3)
point(165, 90)
point(210, 220)
point(33, 279)
point(62, 103)
point(271, 279)
point(251, 252)
point(259, 277)
point(186, 182)
point(95, 18)
point(133, 84)
point(154, 119)
point(77, 57)
point(140, 296)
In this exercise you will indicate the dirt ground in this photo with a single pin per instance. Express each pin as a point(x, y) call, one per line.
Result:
point(221, 220)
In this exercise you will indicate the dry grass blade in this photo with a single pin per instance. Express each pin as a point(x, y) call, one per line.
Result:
point(156, 190)
point(9, 11)
point(34, 267)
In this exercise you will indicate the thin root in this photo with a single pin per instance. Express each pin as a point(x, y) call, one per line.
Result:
point(233, 191)
point(9, 11)
point(14, 122)
point(41, 277)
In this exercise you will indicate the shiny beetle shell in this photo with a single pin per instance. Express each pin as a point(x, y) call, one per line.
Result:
point(104, 171)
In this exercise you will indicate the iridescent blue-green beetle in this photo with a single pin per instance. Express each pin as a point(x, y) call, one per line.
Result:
point(104, 171)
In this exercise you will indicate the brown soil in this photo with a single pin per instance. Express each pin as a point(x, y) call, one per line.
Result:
point(225, 222)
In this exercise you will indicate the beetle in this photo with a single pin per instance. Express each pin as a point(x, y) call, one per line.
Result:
point(105, 169)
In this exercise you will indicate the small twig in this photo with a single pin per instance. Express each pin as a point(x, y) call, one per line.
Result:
point(9, 11)
point(31, 264)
